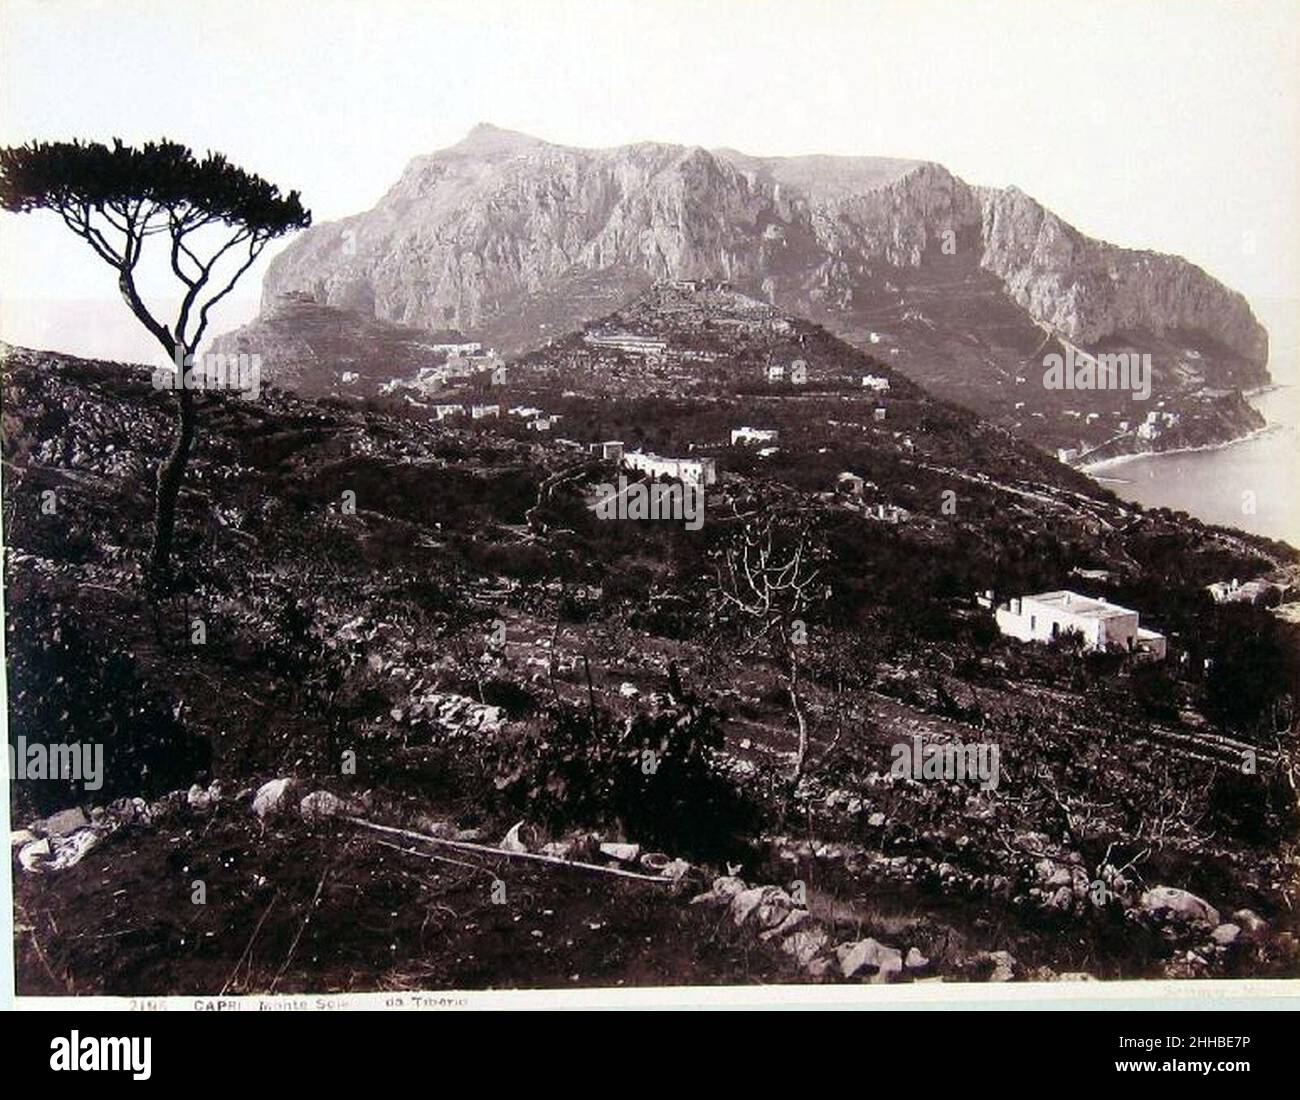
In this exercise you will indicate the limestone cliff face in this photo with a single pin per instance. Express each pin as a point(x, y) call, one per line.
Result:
point(1087, 290)
point(475, 236)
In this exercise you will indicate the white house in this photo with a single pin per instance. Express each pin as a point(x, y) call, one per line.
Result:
point(775, 373)
point(468, 348)
point(480, 412)
point(875, 382)
point(633, 343)
point(753, 435)
point(696, 471)
point(851, 483)
point(1234, 591)
point(1102, 625)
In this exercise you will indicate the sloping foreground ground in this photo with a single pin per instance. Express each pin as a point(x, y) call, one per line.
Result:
point(439, 664)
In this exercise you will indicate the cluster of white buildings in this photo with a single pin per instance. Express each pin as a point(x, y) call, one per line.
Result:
point(1155, 424)
point(798, 371)
point(476, 412)
point(1234, 591)
point(1101, 625)
point(876, 383)
point(469, 348)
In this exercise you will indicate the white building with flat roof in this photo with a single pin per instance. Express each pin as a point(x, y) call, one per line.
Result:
point(695, 471)
point(1102, 625)
point(631, 342)
point(748, 435)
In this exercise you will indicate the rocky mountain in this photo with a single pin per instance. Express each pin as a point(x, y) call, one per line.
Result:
point(512, 240)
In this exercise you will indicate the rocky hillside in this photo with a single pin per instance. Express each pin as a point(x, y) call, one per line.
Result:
point(426, 624)
point(512, 240)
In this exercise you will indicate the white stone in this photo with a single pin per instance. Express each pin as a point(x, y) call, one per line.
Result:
point(270, 797)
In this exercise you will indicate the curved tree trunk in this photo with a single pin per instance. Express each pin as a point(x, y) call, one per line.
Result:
point(171, 472)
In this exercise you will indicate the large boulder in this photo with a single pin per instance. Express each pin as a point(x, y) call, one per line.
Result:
point(34, 853)
point(1168, 904)
point(805, 946)
point(63, 823)
point(272, 798)
point(1250, 922)
point(869, 957)
point(762, 906)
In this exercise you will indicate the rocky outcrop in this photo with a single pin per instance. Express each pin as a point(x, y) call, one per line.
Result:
point(1087, 290)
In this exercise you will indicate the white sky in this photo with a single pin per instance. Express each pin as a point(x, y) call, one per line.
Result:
point(1172, 125)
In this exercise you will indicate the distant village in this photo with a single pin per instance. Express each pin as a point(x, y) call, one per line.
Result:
point(681, 329)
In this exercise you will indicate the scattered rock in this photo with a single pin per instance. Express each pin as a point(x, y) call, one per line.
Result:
point(1001, 965)
point(63, 823)
point(558, 849)
point(1169, 903)
point(1061, 899)
point(271, 797)
point(723, 889)
point(201, 799)
point(31, 856)
point(676, 869)
point(1226, 934)
point(69, 850)
point(764, 906)
point(793, 920)
point(56, 853)
point(819, 968)
point(1051, 874)
point(805, 946)
point(435, 827)
point(511, 842)
point(135, 811)
point(628, 691)
point(869, 957)
point(1250, 922)
point(320, 805)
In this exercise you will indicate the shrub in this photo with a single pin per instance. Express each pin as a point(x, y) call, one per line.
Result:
point(654, 777)
point(66, 688)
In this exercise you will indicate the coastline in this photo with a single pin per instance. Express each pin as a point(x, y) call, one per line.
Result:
point(1093, 468)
